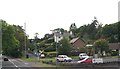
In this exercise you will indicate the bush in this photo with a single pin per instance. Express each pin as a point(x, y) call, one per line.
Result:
point(114, 53)
point(50, 54)
point(49, 62)
point(74, 53)
point(50, 48)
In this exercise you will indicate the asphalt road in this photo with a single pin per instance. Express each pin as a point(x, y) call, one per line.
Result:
point(14, 63)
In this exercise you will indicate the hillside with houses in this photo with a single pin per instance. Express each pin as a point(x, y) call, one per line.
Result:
point(91, 38)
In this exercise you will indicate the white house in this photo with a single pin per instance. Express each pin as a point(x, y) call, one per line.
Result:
point(58, 35)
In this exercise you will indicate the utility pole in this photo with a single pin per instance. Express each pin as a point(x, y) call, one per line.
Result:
point(56, 35)
point(25, 37)
point(36, 38)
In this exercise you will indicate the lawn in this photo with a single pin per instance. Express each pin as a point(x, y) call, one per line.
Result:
point(36, 59)
point(47, 59)
point(74, 57)
point(29, 59)
point(39, 62)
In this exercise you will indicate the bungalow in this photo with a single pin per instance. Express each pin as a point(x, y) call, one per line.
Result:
point(114, 46)
point(77, 43)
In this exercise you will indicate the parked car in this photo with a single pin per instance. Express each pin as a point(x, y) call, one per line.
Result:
point(42, 56)
point(85, 60)
point(83, 55)
point(63, 58)
point(5, 59)
point(89, 60)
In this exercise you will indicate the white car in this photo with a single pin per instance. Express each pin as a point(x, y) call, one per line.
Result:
point(63, 58)
point(83, 55)
point(42, 56)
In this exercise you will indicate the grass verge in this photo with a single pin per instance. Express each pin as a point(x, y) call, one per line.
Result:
point(38, 63)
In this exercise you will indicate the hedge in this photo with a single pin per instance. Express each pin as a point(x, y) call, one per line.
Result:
point(50, 54)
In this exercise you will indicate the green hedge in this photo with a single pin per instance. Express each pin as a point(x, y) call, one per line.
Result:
point(50, 54)
point(114, 53)
point(50, 48)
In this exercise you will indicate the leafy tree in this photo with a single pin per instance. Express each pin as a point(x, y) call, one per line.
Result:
point(83, 49)
point(20, 36)
point(13, 39)
point(64, 47)
point(109, 32)
point(100, 46)
point(10, 45)
point(92, 28)
point(73, 28)
point(0, 37)
point(88, 32)
point(118, 27)
point(61, 30)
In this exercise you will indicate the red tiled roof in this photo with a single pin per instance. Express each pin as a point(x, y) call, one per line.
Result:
point(73, 40)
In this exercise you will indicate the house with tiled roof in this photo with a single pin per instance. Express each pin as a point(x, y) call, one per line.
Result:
point(114, 46)
point(77, 43)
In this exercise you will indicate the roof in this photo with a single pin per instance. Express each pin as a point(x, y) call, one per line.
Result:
point(114, 46)
point(73, 40)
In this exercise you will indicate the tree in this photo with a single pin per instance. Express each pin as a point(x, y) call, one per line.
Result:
point(89, 32)
point(20, 36)
point(0, 37)
point(36, 41)
point(109, 32)
point(118, 27)
point(92, 28)
point(13, 39)
point(64, 47)
point(73, 29)
point(10, 45)
point(100, 46)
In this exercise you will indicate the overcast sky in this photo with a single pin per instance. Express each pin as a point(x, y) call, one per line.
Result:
point(44, 15)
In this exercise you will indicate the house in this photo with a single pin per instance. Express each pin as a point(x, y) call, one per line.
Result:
point(58, 35)
point(114, 46)
point(77, 43)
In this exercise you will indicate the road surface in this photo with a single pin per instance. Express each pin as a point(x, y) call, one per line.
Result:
point(17, 64)
point(14, 63)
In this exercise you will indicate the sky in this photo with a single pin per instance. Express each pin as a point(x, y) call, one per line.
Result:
point(41, 16)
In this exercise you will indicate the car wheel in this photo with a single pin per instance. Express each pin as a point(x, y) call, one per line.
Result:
point(58, 60)
point(65, 60)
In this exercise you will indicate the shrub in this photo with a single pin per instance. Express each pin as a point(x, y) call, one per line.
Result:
point(48, 62)
point(74, 53)
point(49, 49)
point(114, 53)
point(50, 54)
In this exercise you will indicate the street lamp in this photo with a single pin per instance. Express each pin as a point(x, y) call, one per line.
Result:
point(36, 38)
point(25, 39)
point(56, 35)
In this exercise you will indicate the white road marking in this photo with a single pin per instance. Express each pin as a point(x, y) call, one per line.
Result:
point(13, 63)
point(26, 63)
